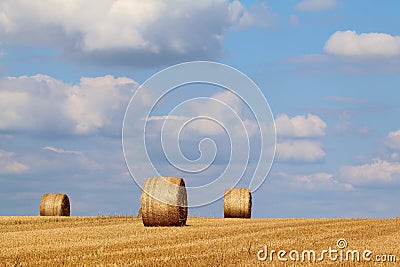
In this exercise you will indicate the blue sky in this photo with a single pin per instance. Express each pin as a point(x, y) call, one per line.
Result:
point(328, 68)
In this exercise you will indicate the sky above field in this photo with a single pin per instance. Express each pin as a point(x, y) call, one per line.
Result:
point(329, 69)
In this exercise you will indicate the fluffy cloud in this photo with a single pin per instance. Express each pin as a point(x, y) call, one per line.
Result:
point(131, 32)
point(294, 134)
point(10, 165)
point(351, 44)
point(316, 5)
point(393, 140)
point(378, 173)
point(315, 181)
point(391, 145)
point(300, 126)
point(97, 102)
point(209, 116)
point(258, 15)
point(43, 105)
point(220, 118)
point(300, 151)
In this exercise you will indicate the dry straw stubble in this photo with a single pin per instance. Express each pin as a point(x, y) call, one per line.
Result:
point(164, 202)
point(237, 203)
point(53, 204)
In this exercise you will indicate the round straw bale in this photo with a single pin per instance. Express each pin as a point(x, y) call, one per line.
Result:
point(164, 202)
point(237, 203)
point(54, 205)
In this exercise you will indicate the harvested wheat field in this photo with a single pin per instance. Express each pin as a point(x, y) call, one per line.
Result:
point(121, 241)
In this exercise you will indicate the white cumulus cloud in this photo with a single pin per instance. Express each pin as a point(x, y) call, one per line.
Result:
point(43, 105)
point(391, 145)
point(296, 138)
point(131, 32)
point(208, 116)
point(316, 5)
point(378, 173)
point(352, 44)
point(96, 102)
point(393, 140)
point(300, 126)
point(300, 151)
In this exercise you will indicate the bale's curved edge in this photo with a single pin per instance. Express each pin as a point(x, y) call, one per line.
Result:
point(237, 203)
point(164, 202)
point(53, 204)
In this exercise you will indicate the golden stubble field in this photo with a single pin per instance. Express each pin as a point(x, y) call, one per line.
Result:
point(122, 241)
